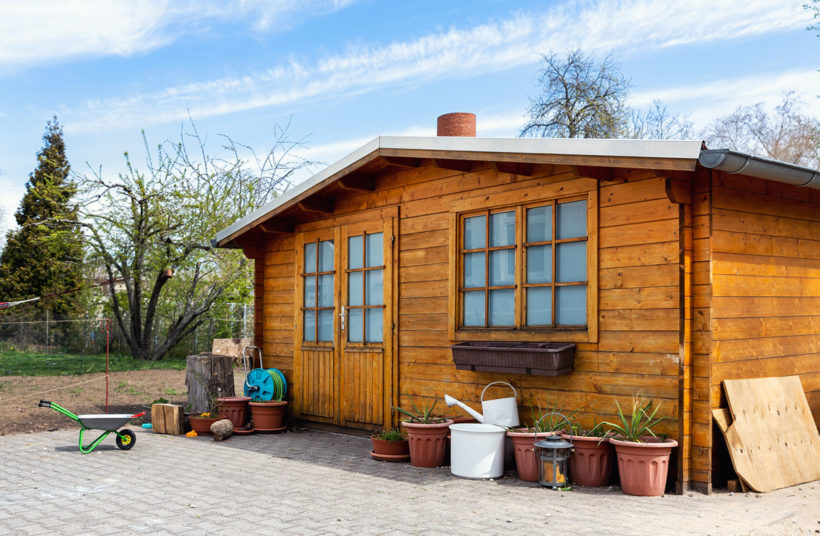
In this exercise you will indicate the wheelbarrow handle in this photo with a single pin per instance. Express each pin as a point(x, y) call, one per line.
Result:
point(44, 404)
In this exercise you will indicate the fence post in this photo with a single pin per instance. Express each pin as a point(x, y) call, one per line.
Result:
point(47, 340)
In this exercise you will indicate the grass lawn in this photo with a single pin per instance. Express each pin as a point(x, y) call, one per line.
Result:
point(14, 363)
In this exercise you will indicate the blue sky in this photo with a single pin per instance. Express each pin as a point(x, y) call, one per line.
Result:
point(345, 71)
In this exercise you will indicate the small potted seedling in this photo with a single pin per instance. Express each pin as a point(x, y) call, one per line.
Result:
point(390, 445)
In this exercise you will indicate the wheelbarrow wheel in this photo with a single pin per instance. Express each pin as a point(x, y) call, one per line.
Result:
point(126, 439)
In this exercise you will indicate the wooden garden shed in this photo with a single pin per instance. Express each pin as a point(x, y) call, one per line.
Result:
point(671, 267)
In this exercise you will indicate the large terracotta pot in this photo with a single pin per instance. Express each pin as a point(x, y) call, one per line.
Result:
point(390, 448)
point(268, 416)
point(526, 459)
point(591, 460)
point(643, 466)
point(234, 408)
point(427, 442)
point(202, 425)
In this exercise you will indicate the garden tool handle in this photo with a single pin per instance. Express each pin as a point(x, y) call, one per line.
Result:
point(44, 404)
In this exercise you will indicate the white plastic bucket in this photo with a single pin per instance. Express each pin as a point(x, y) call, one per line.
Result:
point(477, 450)
point(501, 411)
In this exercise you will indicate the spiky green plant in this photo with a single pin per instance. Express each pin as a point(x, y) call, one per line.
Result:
point(549, 419)
point(421, 415)
point(639, 424)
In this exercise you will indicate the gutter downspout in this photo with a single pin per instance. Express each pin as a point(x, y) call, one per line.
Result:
point(733, 162)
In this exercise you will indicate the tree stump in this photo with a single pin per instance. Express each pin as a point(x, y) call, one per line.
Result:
point(208, 376)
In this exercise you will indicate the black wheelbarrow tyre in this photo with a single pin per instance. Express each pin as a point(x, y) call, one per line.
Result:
point(127, 443)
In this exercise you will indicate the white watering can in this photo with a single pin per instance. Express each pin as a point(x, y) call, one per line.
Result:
point(501, 411)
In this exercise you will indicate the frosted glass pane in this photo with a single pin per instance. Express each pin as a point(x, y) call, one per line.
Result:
point(373, 278)
point(571, 263)
point(539, 264)
point(502, 267)
point(474, 270)
point(502, 229)
point(355, 256)
point(502, 307)
point(374, 325)
point(571, 306)
point(474, 308)
point(354, 288)
point(326, 325)
point(539, 224)
point(355, 326)
point(572, 219)
point(474, 232)
point(310, 326)
point(326, 290)
point(326, 256)
point(374, 249)
point(310, 291)
point(310, 258)
point(539, 306)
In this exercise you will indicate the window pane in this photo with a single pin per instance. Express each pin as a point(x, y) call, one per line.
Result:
point(373, 278)
point(539, 224)
point(502, 267)
point(474, 308)
point(374, 249)
point(355, 256)
point(474, 270)
point(310, 258)
point(326, 256)
point(571, 263)
point(354, 288)
point(502, 307)
point(326, 325)
point(310, 326)
point(502, 229)
point(354, 325)
point(474, 233)
point(374, 325)
point(572, 219)
point(539, 306)
point(571, 306)
point(326, 290)
point(539, 264)
point(310, 291)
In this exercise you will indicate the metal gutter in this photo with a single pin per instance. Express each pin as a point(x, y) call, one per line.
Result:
point(734, 162)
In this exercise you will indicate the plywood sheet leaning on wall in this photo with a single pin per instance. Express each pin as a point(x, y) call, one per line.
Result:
point(771, 435)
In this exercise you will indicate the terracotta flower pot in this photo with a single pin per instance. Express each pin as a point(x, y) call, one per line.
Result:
point(643, 466)
point(268, 416)
point(234, 408)
point(383, 447)
point(202, 425)
point(427, 442)
point(591, 460)
point(526, 459)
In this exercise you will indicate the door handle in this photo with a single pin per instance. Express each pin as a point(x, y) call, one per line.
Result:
point(342, 317)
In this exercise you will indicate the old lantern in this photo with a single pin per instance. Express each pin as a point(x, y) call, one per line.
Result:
point(553, 457)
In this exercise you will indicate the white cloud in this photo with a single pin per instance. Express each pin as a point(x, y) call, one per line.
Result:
point(599, 27)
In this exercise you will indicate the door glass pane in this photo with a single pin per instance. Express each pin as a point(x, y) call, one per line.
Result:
point(355, 256)
point(326, 325)
point(326, 256)
point(502, 267)
point(502, 229)
point(354, 325)
point(539, 306)
point(310, 291)
point(310, 326)
point(374, 249)
point(571, 306)
point(502, 307)
point(539, 224)
point(474, 270)
point(571, 263)
point(373, 278)
point(354, 288)
point(374, 325)
point(539, 264)
point(572, 219)
point(310, 257)
point(474, 308)
point(474, 232)
point(326, 290)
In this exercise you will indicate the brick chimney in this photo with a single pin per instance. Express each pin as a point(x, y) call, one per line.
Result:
point(456, 124)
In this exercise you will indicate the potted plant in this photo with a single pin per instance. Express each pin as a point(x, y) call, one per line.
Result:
point(390, 445)
point(545, 423)
point(269, 415)
point(590, 461)
point(201, 424)
point(234, 408)
point(643, 456)
point(426, 434)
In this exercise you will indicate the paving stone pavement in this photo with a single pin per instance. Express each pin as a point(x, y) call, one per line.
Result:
point(310, 482)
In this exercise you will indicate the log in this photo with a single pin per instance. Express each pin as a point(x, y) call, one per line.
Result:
point(208, 377)
point(173, 419)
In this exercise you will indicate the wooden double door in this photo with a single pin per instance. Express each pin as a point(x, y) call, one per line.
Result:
point(343, 341)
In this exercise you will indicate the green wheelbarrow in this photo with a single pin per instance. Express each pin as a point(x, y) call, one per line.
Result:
point(101, 421)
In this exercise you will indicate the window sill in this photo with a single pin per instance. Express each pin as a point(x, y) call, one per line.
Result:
point(533, 358)
point(577, 335)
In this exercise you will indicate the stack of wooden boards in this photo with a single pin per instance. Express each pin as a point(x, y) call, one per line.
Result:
point(167, 419)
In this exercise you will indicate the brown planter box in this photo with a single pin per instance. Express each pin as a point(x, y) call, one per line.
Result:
point(536, 358)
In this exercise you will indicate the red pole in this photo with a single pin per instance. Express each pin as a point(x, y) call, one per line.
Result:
point(107, 330)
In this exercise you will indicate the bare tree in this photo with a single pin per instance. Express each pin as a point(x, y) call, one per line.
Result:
point(657, 123)
point(579, 98)
point(786, 134)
